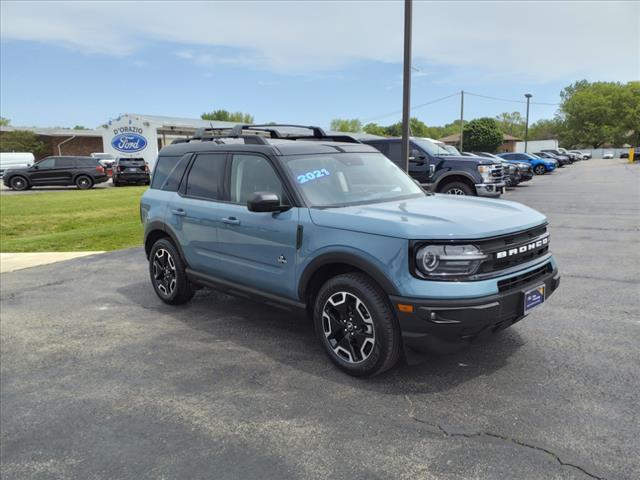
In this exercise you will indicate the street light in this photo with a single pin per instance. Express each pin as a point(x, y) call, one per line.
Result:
point(526, 125)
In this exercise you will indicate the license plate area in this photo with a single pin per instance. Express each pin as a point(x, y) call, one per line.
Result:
point(533, 298)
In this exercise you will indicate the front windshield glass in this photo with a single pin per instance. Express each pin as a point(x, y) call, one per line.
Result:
point(433, 148)
point(342, 179)
point(452, 150)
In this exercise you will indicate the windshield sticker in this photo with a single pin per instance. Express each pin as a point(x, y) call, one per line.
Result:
point(312, 175)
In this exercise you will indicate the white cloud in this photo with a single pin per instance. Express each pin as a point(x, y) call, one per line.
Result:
point(543, 41)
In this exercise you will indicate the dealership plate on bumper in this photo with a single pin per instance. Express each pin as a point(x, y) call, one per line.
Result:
point(533, 298)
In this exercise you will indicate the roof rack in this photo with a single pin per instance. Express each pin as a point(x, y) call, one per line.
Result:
point(257, 134)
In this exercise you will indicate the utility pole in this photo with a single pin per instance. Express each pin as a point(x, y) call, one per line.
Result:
point(526, 124)
point(461, 117)
point(406, 87)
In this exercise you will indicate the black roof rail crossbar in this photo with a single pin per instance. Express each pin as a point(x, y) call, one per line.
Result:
point(248, 139)
point(273, 130)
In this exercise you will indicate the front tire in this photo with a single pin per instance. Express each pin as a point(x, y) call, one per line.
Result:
point(19, 183)
point(457, 188)
point(168, 274)
point(356, 325)
point(540, 169)
point(84, 182)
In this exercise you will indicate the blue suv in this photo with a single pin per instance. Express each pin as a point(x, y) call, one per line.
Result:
point(540, 165)
point(331, 226)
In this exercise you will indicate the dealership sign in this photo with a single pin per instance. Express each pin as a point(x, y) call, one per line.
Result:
point(128, 139)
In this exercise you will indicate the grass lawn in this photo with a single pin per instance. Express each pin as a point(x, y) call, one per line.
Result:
point(91, 220)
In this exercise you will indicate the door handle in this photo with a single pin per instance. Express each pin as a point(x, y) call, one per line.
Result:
point(231, 221)
point(179, 211)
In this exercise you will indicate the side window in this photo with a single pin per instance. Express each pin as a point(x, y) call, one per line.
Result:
point(164, 165)
point(175, 175)
point(206, 175)
point(394, 152)
point(47, 163)
point(253, 173)
point(65, 162)
point(509, 156)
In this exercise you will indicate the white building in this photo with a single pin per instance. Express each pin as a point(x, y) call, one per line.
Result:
point(135, 135)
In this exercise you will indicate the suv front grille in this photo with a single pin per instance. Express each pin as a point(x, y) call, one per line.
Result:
point(497, 174)
point(512, 250)
point(523, 279)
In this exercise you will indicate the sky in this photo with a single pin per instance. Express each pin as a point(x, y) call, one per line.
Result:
point(82, 63)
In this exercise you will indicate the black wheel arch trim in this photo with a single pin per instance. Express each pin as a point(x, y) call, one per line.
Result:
point(158, 226)
point(349, 259)
point(456, 173)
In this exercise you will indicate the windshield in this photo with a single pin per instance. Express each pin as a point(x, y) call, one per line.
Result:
point(433, 148)
point(451, 149)
point(342, 179)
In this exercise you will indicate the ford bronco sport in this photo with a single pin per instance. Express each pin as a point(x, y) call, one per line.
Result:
point(326, 225)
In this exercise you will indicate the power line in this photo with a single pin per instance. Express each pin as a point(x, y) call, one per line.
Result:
point(510, 100)
point(412, 108)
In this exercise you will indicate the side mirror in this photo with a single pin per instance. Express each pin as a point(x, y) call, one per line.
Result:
point(35, 166)
point(265, 202)
point(416, 156)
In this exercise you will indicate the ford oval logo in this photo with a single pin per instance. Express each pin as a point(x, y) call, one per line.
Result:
point(129, 142)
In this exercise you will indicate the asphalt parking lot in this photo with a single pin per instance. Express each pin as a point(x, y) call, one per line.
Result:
point(100, 380)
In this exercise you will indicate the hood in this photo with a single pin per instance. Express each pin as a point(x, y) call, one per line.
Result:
point(16, 167)
point(432, 217)
point(479, 160)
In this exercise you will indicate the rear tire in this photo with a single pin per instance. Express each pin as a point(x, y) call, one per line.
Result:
point(19, 183)
point(168, 274)
point(457, 188)
point(356, 325)
point(83, 182)
point(540, 170)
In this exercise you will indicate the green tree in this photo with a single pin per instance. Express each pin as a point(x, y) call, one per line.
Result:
point(21, 141)
point(601, 112)
point(225, 116)
point(546, 129)
point(482, 135)
point(346, 125)
point(80, 127)
point(511, 124)
point(4, 122)
point(375, 129)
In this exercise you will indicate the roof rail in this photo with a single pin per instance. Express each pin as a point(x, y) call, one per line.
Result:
point(274, 132)
point(258, 134)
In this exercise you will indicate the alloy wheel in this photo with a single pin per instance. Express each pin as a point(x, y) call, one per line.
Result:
point(164, 272)
point(84, 182)
point(455, 191)
point(348, 327)
point(18, 183)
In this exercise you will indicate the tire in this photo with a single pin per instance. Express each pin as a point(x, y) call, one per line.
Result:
point(84, 182)
point(169, 281)
point(457, 188)
point(540, 170)
point(116, 184)
point(354, 307)
point(19, 183)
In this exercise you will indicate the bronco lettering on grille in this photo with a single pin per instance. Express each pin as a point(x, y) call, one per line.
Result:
point(522, 249)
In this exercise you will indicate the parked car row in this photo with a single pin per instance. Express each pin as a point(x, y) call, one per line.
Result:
point(83, 172)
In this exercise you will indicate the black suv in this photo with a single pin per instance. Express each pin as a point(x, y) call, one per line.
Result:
point(130, 170)
point(83, 172)
point(443, 169)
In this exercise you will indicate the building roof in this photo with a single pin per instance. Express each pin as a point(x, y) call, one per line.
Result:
point(455, 138)
point(55, 132)
point(176, 123)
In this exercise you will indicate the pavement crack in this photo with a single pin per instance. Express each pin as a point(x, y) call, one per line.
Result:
point(498, 436)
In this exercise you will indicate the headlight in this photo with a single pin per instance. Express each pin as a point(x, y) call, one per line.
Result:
point(448, 260)
point(512, 169)
point(485, 173)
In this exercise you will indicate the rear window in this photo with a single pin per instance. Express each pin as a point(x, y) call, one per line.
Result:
point(164, 166)
point(86, 162)
point(175, 175)
point(124, 161)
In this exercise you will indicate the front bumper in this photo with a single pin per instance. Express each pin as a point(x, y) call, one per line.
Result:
point(446, 325)
point(489, 189)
